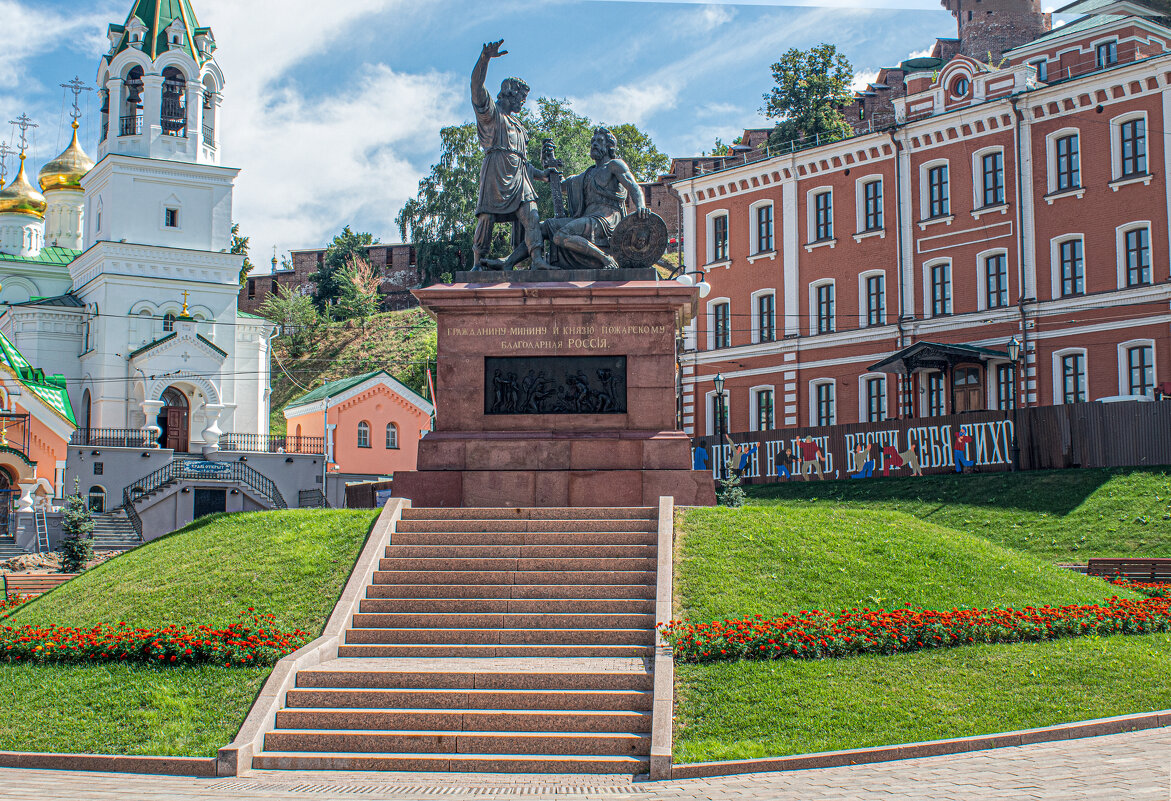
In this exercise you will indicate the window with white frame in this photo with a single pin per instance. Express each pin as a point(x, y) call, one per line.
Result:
point(824, 405)
point(1136, 256)
point(717, 418)
point(762, 234)
point(996, 281)
point(936, 394)
point(722, 324)
point(1140, 368)
point(875, 394)
point(1041, 65)
point(871, 205)
point(874, 295)
point(763, 411)
point(766, 317)
point(363, 434)
point(1106, 54)
point(938, 192)
point(391, 436)
point(821, 215)
point(823, 308)
point(1004, 384)
point(719, 238)
point(1070, 376)
point(940, 287)
point(1065, 162)
point(1132, 147)
point(992, 178)
point(1071, 267)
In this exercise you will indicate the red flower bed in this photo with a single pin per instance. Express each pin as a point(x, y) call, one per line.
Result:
point(252, 641)
point(1149, 589)
point(10, 602)
point(820, 635)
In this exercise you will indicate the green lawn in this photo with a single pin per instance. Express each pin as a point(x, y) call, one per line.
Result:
point(1059, 515)
point(757, 709)
point(290, 563)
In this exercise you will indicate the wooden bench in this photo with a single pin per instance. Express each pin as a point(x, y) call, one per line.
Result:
point(34, 583)
point(1133, 569)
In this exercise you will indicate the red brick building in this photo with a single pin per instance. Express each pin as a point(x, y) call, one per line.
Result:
point(883, 276)
point(395, 263)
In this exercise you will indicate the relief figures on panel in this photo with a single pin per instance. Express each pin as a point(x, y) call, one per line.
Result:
point(555, 385)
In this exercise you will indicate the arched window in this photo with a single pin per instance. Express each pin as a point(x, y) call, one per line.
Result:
point(174, 116)
point(85, 410)
point(169, 322)
point(131, 120)
point(391, 436)
point(363, 434)
point(97, 500)
point(209, 110)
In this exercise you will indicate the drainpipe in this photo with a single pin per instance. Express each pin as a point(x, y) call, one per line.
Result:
point(1021, 250)
point(328, 451)
point(897, 145)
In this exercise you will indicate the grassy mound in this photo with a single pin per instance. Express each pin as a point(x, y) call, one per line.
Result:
point(292, 564)
point(785, 558)
point(1060, 515)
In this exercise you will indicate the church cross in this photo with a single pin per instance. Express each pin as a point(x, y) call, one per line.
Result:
point(185, 295)
point(5, 151)
point(23, 122)
point(77, 86)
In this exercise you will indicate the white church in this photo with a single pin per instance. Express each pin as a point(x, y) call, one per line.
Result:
point(117, 276)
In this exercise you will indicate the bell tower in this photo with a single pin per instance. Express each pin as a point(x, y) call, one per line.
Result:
point(997, 26)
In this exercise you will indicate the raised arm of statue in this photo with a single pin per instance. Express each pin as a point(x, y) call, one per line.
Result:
point(480, 96)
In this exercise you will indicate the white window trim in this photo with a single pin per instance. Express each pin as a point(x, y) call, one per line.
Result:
point(1051, 162)
point(925, 191)
point(1055, 263)
point(982, 278)
point(1105, 40)
point(1116, 145)
point(811, 229)
point(928, 305)
point(1037, 73)
point(1120, 249)
point(171, 203)
point(860, 207)
point(1124, 367)
point(925, 392)
point(710, 227)
point(813, 308)
point(754, 234)
point(978, 179)
point(991, 369)
point(710, 412)
point(754, 405)
point(711, 321)
point(813, 385)
point(1058, 377)
point(863, 397)
point(397, 445)
point(760, 293)
point(864, 298)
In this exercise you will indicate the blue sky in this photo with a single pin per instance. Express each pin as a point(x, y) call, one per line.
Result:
point(332, 109)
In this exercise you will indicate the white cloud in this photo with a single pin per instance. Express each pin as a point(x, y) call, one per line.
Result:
point(863, 79)
point(630, 103)
point(713, 16)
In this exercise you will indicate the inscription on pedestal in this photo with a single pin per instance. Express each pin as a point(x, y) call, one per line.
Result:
point(554, 337)
point(555, 385)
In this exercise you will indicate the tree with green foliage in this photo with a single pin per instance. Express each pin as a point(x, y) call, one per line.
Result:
point(293, 310)
point(78, 528)
point(440, 219)
point(328, 279)
point(811, 88)
point(360, 283)
point(240, 248)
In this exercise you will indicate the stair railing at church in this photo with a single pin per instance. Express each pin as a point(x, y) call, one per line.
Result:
point(110, 437)
point(266, 443)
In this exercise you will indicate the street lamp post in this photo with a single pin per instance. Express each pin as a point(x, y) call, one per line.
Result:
point(1014, 355)
point(720, 433)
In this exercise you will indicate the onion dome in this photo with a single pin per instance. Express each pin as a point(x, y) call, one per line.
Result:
point(20, 197)
point(67, 170)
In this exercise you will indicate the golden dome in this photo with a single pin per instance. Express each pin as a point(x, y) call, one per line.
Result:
point(20, 197)
point(67, 170)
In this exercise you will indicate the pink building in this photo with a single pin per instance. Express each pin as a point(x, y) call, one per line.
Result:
point(375, 423)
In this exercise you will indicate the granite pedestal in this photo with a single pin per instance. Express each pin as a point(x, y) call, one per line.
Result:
point(618, 447)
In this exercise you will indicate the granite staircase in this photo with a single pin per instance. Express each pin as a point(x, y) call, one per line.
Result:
point(114, 532)
point(9, 548)
point(508, 640)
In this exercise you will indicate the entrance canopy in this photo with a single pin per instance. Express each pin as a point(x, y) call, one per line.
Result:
point(934, 356)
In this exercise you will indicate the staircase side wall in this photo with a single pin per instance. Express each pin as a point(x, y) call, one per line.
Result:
point(175, 507)
point(26, 530)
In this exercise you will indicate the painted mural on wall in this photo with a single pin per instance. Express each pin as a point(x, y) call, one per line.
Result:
point(978, 442)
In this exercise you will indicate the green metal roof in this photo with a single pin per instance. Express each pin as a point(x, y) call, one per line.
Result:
point(58, 257)
point(251, 316)
point(333, 388)
point(50, 389)
point(1088, 23)
point(155, 344)
point(157, 16)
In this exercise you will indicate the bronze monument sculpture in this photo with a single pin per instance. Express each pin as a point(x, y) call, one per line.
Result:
point(591, 228)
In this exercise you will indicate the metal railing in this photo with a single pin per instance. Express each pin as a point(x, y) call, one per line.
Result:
point(111, 438)
point(130, 126)
point(265, 443)
point(209, 135)
point(197, 470)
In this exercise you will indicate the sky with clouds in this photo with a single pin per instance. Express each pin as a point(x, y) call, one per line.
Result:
point(332, 109)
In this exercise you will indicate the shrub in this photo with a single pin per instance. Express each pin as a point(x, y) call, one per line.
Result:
point(78, 528)
point(730, 492)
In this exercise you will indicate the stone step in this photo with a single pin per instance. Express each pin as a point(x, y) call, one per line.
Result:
point(498, 636)
point(535, 513)
point(521, 526)
point(513, 577)
point(507, 620)
point(465, 699)
point(511, 591)
point(476, 720)
point(456, 763)
point(461, 650)
point(523, 538)
point(487, 564)
point(530, 606)
point(334, 676)
point(459, 742)
point(478, 551)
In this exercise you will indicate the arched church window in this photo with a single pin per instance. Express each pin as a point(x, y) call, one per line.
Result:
point(174, 398)
point(97, 499)
point(168, 322)
point(209, 118)
point(131, 122)
point(363, 434)
point(391, 436)
point(174, 116)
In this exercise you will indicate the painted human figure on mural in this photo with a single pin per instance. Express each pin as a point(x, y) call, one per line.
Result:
point(745, 452)
point(811, 458)
point(699, 458)
point(785, 463)
point(864, 462)
point(891, 459)
point(959, 446)
point(911, 458)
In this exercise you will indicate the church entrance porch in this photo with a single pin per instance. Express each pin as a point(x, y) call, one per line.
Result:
point(174, 420)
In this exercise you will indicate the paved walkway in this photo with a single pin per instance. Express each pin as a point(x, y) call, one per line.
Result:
point(1121, 767)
